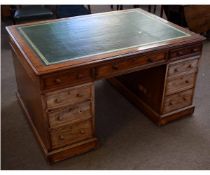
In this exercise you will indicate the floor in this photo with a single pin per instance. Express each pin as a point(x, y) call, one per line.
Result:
point(128, 139)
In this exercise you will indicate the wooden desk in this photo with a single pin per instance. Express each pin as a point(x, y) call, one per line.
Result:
point(151, 61)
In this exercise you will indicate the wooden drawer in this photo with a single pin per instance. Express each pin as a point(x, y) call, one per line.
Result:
point(180, 83)
point(69, 96)
point(185, 51)
point(179, 67)
point(70, 114)
point(71, 133)
point(177, 101)
point(61, 79)
point(116, 67)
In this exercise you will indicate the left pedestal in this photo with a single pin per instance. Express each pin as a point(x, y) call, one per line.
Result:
point(62, 119)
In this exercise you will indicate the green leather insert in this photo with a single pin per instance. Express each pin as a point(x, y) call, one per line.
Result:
point(79, 37)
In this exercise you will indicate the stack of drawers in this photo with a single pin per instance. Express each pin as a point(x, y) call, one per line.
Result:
point(70, 115)
point(180, 84)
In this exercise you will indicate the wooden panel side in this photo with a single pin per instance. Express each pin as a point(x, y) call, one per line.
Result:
point(30, 94)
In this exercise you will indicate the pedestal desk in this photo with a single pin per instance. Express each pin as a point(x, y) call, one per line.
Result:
point(151, 61)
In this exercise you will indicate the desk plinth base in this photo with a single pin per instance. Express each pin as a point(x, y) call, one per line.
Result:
point(147, 110)
point(62, 153)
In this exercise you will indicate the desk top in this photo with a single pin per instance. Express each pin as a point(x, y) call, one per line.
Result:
point(94, 36)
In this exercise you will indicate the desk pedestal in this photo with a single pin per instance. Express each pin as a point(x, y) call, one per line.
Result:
point(163, 93)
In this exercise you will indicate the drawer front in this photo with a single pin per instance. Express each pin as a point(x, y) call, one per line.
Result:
point(189, 65)
point(68, 115)
point(177, 101)
point(180, 83)
point(71, 134)
point(66, 78)
point(126, 64)
point(185, 51)
point(68, 96)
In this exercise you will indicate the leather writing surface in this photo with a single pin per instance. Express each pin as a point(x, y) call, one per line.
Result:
point(76, 38)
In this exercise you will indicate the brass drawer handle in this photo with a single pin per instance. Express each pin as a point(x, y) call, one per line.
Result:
point(195, 49)
point(171, 103)
point(58, 100)
point(58, 80)
point(60, 117)
point(190, 66)
point(184, 98)
point(80, 95)
point(115, 66)
point(82, 131)
point(61, 137)
point(175, 70)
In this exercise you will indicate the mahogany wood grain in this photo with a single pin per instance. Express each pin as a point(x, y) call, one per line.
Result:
point(30, 95)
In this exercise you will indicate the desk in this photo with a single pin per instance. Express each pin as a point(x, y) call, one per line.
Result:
point(151, 61)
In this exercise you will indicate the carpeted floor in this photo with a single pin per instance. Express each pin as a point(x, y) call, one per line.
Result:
point(128, 139)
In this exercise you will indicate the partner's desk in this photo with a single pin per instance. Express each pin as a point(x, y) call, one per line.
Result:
point(154, 63)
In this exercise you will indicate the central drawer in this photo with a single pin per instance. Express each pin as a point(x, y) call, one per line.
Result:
point(71, 133)
point(116, 67)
